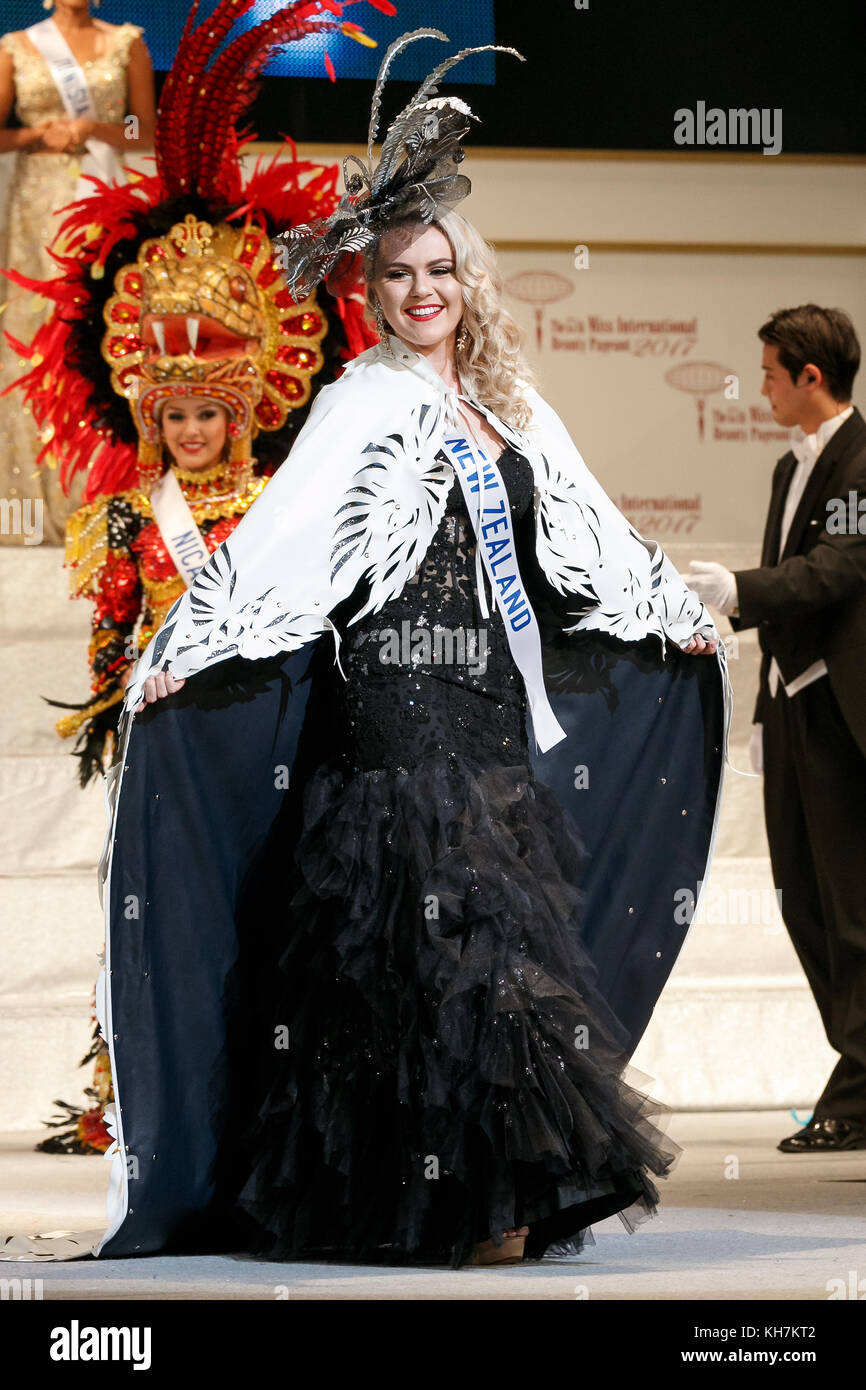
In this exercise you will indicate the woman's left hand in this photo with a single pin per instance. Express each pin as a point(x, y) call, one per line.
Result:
point(80, 129)
point(699, 645)
point(64, 136)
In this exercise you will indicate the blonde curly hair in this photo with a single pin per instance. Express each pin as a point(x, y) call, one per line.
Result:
point(491, 363)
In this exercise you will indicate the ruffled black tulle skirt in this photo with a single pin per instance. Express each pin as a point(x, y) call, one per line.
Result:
point(443, 1067)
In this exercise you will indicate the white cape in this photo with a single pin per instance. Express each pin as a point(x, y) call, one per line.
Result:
point(361, 496)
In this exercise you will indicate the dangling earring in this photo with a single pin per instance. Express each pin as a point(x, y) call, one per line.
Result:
point(240, 455)
point(233, 434)
point(462, 338)
point(381, 329)
point(152, 463)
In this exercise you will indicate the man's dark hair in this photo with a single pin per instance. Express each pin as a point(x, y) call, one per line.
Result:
point(823, 336)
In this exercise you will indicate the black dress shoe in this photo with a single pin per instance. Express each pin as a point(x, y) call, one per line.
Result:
point(824, 1136)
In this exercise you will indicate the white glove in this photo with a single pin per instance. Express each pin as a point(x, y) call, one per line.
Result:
point(756, 748)
point(713, 584)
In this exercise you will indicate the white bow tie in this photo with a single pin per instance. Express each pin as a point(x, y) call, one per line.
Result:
point(805, 448)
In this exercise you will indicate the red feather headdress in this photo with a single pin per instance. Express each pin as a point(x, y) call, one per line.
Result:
point(212, 83)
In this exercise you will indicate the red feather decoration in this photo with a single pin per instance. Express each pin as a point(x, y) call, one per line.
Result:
point(208, 90)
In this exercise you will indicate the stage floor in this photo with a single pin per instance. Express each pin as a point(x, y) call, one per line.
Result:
point(787, 1226)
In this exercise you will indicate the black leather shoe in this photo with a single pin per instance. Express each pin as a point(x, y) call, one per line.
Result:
point(824, 1136)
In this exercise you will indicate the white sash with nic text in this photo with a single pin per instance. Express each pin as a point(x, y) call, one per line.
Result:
point(183, 540)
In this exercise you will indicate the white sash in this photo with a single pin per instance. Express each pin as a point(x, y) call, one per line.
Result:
point(77, 101)
point(183, 540)
point(488, 506)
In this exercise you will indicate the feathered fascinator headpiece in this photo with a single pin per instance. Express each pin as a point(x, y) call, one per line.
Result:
point(159, 274)
point(417, 173)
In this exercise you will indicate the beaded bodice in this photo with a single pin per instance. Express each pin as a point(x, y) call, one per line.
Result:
point(428, 671)
point(116, 553)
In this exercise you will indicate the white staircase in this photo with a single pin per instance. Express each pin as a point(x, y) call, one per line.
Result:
point(52, 833)
point(736, 1027)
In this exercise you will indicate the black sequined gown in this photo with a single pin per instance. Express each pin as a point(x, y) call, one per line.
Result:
point(446, 1069)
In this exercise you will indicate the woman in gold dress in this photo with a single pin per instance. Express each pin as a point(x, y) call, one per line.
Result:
point(49, 147)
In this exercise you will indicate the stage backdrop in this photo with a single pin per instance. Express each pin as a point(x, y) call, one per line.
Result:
point(653, 361)
point(597, 76)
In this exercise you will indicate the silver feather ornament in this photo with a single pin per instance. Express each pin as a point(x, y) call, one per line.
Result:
point(416, 174)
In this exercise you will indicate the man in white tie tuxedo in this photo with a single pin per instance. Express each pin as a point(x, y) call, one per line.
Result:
point(808, 601)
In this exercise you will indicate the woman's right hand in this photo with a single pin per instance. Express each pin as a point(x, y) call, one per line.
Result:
point(157, 687)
